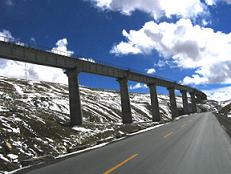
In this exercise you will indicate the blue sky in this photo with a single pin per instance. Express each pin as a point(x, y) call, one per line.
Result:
point(187, 42)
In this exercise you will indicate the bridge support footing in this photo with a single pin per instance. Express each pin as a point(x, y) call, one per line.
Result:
point(125, 101)
point(74, 97)
point(154, 103)
point(173, 106)
point(185, 101)
point(193, 101)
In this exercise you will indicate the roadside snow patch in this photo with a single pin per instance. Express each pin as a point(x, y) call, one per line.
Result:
point(13, 157)
point(84, 150)
point(81, 129)
point(148, 129)
point(3, 158)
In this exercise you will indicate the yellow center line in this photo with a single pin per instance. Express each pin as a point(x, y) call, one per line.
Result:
point(120, 164)
point(168, 134)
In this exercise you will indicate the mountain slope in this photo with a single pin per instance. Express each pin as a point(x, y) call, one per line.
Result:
point(34, 115)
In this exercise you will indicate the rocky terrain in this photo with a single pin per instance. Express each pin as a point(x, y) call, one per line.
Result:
point(34, 118)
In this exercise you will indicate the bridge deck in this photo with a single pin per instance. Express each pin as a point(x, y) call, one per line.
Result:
point(30, 55)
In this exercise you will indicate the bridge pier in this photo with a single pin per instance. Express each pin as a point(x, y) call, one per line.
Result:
point(193, 101)
point(173, 106)
point(154, 103)
point(125, 101)
point(185, 101)
point(74, 97)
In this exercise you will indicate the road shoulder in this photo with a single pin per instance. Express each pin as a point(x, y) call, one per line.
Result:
point(225, 123)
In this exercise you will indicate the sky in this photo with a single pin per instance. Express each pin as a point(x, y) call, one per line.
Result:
point(184, 41)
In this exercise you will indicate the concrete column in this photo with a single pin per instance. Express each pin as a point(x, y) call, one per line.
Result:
point(193, 101)
point(74, 97)
point(185, 101)
point(154, 103)
point(125, 101)
point(173, 106)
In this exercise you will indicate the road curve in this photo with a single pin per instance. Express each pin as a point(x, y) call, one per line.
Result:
point(193, 145)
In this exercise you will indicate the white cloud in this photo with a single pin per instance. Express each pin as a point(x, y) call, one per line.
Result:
point(21, 70)
point(137, 86)
point(88, 59)
point(161, 63)
point(195, 79)
point(16, 69)
point(214, 2)
point(205, 22)
point(219, 72)
point(219, 94)
point(155, 8)
point(150, 71)
point(210, 2)
point(124, 48)
point(186, 45)
point(61, 48)
point(6, 36)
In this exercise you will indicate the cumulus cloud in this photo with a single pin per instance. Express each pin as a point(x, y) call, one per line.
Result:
point(124, 48)
point(186, 45)
point(214, 2)
point(195, 79)
point(161, 64)
point(219, 94)
point(22, 70)
point(219, 72)
point(61, 48)
point(6, 36)
point(137, 86)
point(28, 71)
point(150, 71)
point(155, 8)
point(210, 2)
point(88, 59)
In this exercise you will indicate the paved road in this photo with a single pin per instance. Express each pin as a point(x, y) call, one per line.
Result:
point(193, 145)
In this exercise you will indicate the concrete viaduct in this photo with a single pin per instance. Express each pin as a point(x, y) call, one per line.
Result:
point(75, 66)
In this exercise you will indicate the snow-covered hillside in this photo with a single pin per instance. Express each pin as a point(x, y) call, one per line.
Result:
point(224, 103)
point(34, 118)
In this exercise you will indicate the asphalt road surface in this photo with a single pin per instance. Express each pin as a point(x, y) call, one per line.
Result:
point(193, 145)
